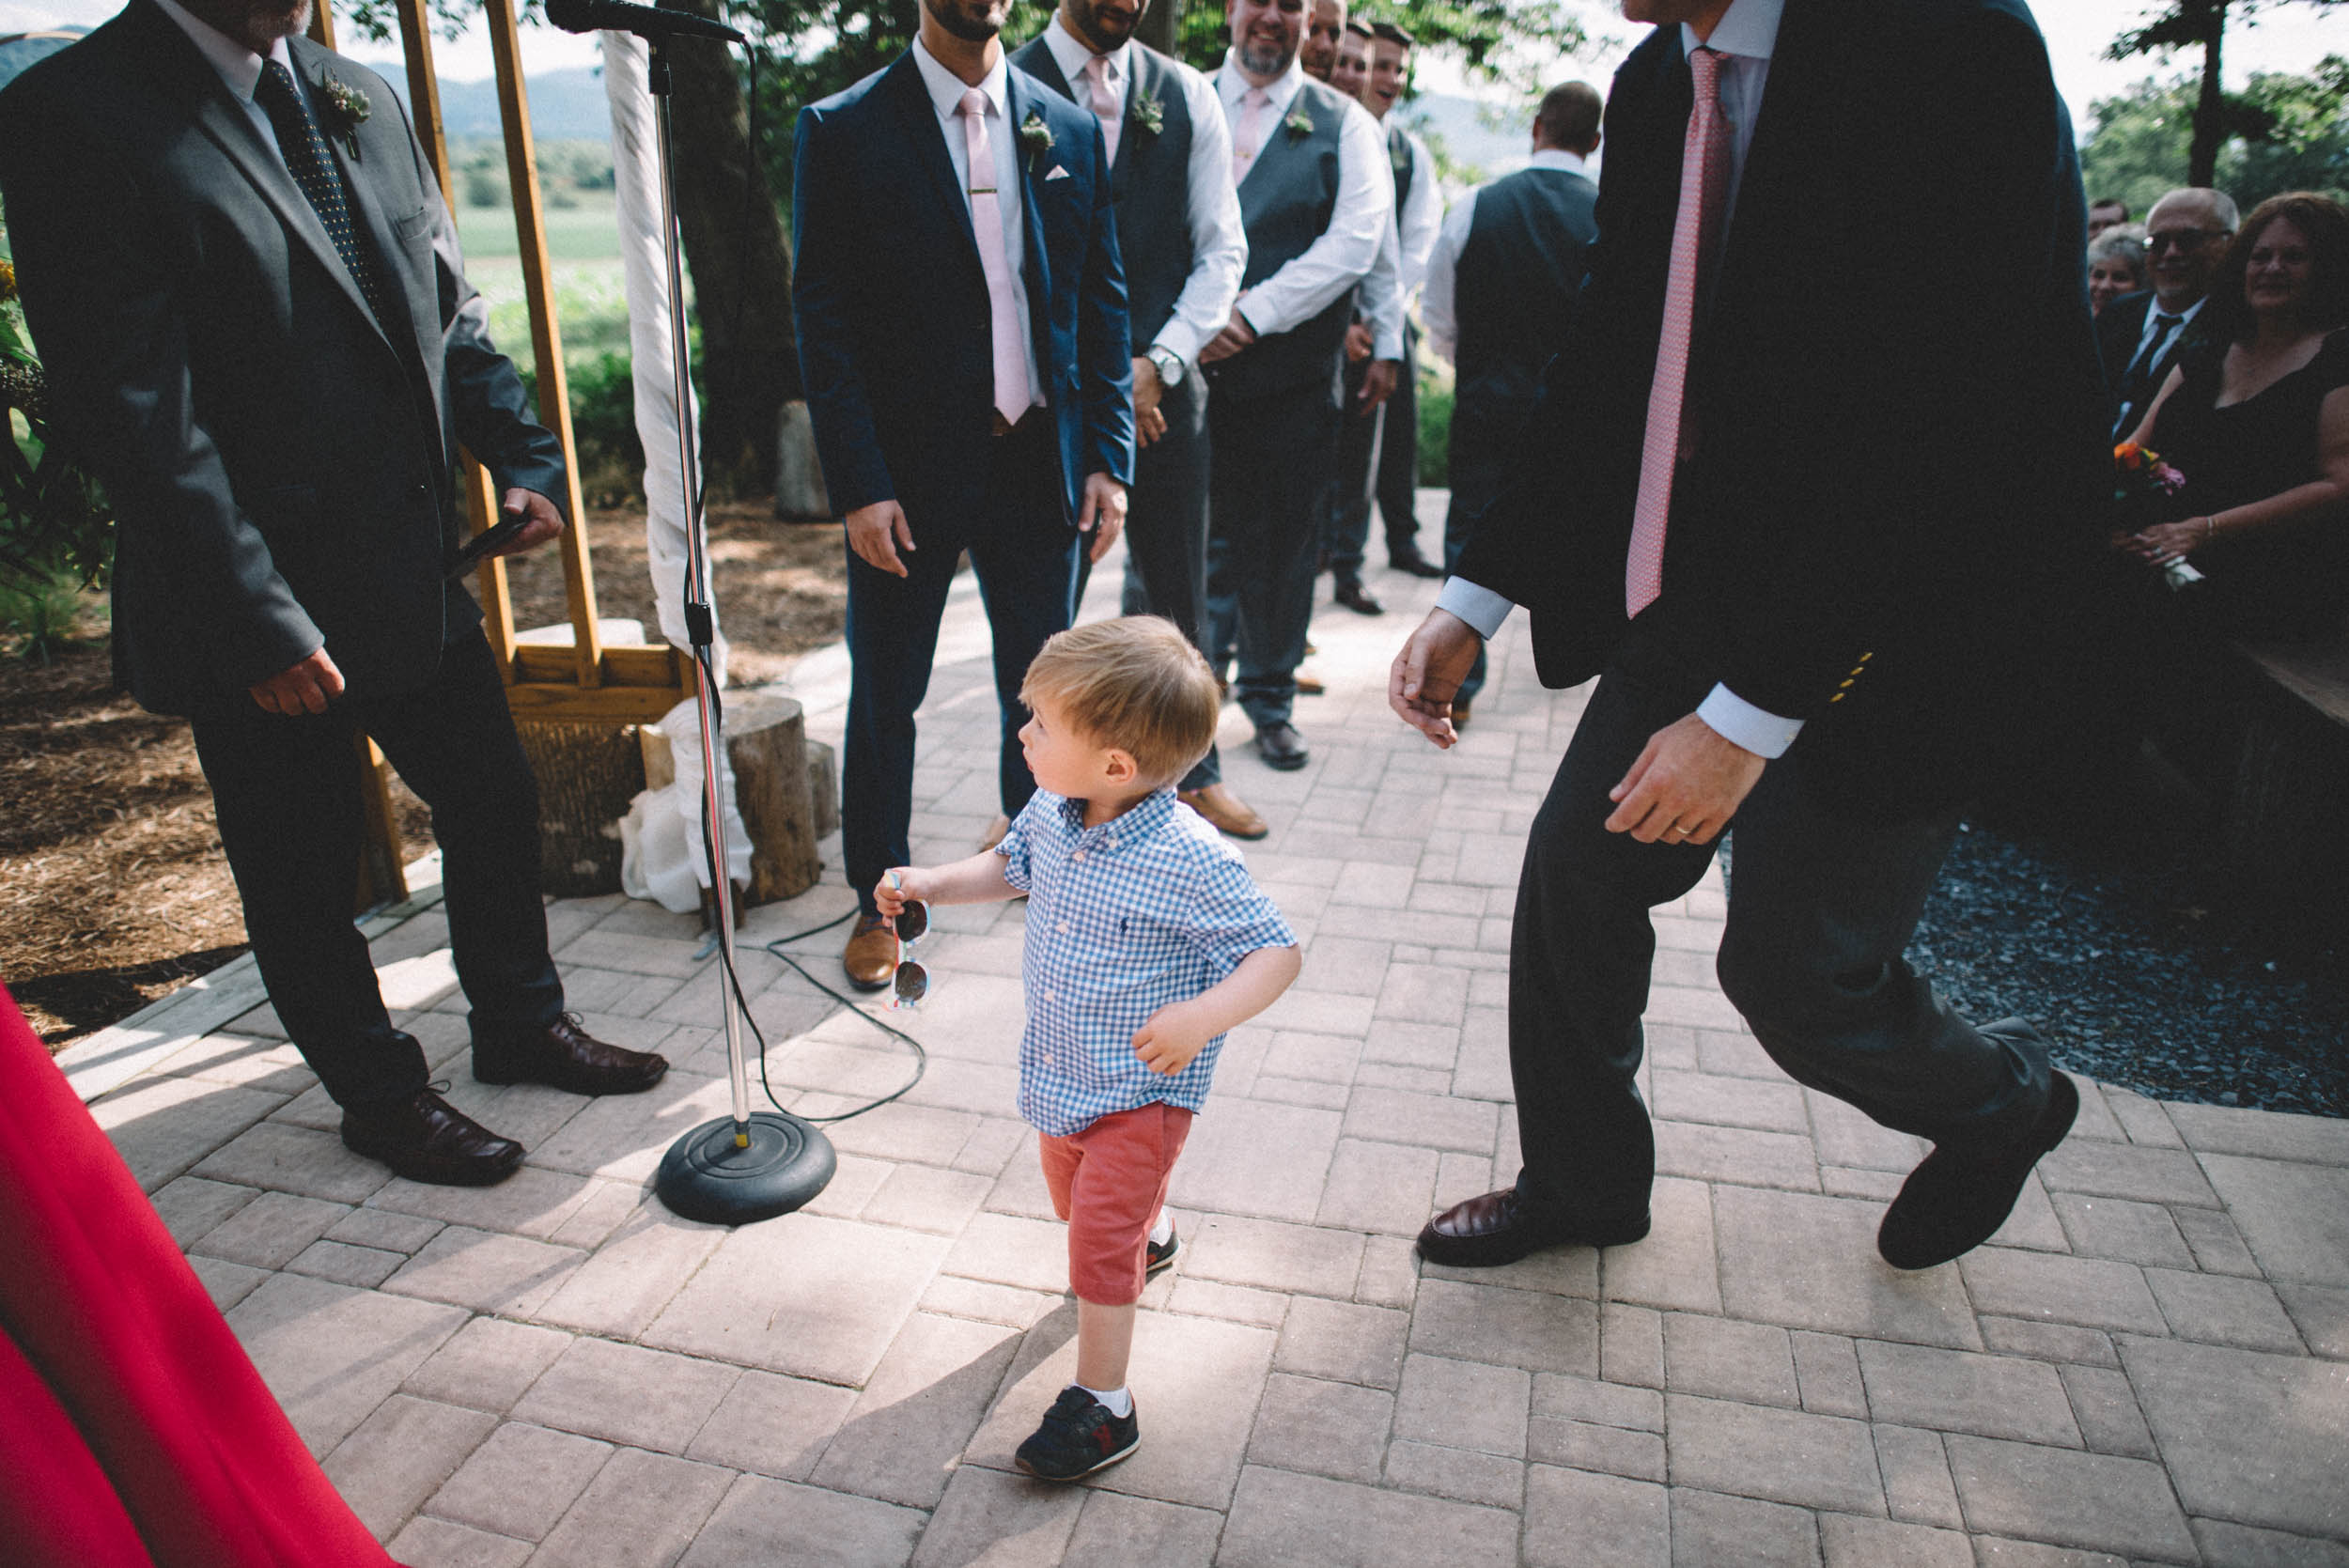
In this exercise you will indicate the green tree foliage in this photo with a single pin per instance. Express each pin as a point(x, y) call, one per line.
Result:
point(2199, 25)
point(56, 533)
point(2285, 132)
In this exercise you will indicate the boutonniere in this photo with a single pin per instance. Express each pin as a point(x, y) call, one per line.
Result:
point(1145, 111)
point(1035, 134)
point(344, 108)
point(1299, 123)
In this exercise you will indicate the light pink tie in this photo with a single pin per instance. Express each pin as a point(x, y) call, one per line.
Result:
point(1251, 131)
point(1104, 103)
point(1703, 187)
point(1012, 395)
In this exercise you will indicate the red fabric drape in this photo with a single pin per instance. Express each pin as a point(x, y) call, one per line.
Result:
point(133, 1428)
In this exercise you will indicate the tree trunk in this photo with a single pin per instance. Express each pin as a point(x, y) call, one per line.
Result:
point(1162, 26)
point(742, 288)
point(2210, 109)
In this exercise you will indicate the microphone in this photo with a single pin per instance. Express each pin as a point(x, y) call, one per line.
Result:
point(651, 22)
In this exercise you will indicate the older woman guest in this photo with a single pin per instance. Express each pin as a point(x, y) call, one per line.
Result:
point(2116, 264)
point(2256, 417)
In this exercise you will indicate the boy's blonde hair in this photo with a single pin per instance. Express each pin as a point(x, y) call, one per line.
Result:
point(1135, 684)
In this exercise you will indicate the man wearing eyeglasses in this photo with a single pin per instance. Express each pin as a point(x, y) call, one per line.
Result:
point(2138, 336)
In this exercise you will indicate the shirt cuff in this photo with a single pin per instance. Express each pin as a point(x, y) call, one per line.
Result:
point(1387, 344)
point(1181, 341)
point(1739, 722)
point(1257, 320)
point(1476, 604)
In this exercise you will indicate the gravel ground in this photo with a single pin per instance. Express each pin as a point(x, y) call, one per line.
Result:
point(2142, 969)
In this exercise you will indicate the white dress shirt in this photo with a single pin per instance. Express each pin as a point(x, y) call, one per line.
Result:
point(1365, 206)
point(1747, 33)
point(1003, 140)
point(240, 68)
point(1437, 310)
point(1382, 302)
point(1219, 242)
point(1420, 215)
point(2153, 312)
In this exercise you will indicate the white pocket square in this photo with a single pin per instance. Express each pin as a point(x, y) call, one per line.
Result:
point(1058, 173)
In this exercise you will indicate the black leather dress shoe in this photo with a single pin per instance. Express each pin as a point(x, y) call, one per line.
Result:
point(1282, 747)
point(426, 1139)
point(1358, 598)
point(1415, 564)
point(1488, 1232)
point(1957, 1198)
point(564, 1056)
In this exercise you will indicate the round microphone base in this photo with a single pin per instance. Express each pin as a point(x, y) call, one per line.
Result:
point(708, 1177)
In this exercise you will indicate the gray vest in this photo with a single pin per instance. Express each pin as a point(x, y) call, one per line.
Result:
point(1149, 184)
point(1285, 204)
point(1399, 155)
point(1519, 271)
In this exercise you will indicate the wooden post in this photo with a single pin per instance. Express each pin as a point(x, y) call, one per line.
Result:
point(555, 399)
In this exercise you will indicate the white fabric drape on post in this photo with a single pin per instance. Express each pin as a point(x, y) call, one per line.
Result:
point(636, 174)
point(664, 856)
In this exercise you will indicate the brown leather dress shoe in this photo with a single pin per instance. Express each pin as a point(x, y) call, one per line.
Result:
point(995, 832)
point(1226, 811)
point(1488, 1232)
point(871, 956)
point(426, 1139)
point(1459, 715)
point(564, 1056)
point(1310, 685)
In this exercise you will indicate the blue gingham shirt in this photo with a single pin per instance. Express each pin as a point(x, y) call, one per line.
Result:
point(1150, 908)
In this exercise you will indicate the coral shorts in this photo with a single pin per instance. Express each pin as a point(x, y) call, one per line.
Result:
point(1109, 1182)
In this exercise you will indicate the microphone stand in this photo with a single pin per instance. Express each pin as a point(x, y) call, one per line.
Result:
point(748, 1166)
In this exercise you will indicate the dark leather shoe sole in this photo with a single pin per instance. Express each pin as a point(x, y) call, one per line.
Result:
point(1507, 1244)
point(1955, 1201)
point(572, 1079)
point(436, 1168)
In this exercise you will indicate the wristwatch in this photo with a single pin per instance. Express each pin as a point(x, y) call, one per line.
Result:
point(1170, 363)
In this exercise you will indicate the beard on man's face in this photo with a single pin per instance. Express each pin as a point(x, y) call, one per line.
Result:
point(1263, 57)
point(972, 21)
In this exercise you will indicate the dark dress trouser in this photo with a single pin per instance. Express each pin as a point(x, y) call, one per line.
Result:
point(1024, 555)
point(1272, 460)
point(287, 794)
point(1820, 907)
point(1166, 532)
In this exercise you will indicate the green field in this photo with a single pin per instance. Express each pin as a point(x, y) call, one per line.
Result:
point(582, 233)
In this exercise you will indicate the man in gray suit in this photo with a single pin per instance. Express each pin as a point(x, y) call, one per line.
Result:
point(1178, 229)
point(1317, 196)
point(248, 295)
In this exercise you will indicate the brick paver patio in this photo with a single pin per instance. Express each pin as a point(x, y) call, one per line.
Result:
point(2150, 1364)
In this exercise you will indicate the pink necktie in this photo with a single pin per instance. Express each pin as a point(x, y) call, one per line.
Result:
point(1703, 185)
point(1012, 396)
point(1104, 103)
point(1244, 140)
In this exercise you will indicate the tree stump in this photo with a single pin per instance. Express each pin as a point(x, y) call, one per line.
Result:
point(823, 787)
point(766, 745)
point(588, 776)
point(800, 493)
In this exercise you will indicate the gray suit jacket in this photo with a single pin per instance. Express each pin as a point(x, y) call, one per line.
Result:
point(279, 462)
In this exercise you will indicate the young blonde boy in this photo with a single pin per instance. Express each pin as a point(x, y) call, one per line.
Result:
point(1146, 940)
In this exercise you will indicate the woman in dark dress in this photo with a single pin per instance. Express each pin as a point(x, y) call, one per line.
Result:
point(2256, 417)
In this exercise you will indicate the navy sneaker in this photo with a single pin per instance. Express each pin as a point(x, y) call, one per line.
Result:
point(1078, 1437)
point(1155, 1257)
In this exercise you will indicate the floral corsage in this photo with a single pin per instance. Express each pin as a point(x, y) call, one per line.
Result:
point(344, 108)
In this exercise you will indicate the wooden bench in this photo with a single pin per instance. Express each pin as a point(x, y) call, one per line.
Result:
point(2286, 820)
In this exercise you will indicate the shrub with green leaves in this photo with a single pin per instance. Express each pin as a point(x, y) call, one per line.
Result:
point(56, 534)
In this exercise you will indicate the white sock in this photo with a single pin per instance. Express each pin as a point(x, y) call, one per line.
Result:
point(1120, 1401)
point(1163, 1231)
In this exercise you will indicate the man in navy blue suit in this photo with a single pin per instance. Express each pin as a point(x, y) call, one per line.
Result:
point(962, 328)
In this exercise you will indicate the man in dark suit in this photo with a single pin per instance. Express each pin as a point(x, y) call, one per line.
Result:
point(1803, 616)
point(249, 296)
point(1501, 282)
point(1180, 237)
point(962, 327)
point(2138, 336)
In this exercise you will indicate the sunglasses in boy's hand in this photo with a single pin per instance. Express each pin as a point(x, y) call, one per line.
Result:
point(913, 981)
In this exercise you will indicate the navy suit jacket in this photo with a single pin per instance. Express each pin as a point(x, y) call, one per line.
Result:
point(891, 304)
point(1893, 473)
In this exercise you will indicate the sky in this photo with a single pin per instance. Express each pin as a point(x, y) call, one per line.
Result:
point(2291, 37)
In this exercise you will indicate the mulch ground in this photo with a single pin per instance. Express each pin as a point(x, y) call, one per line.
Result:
point(113, 888)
